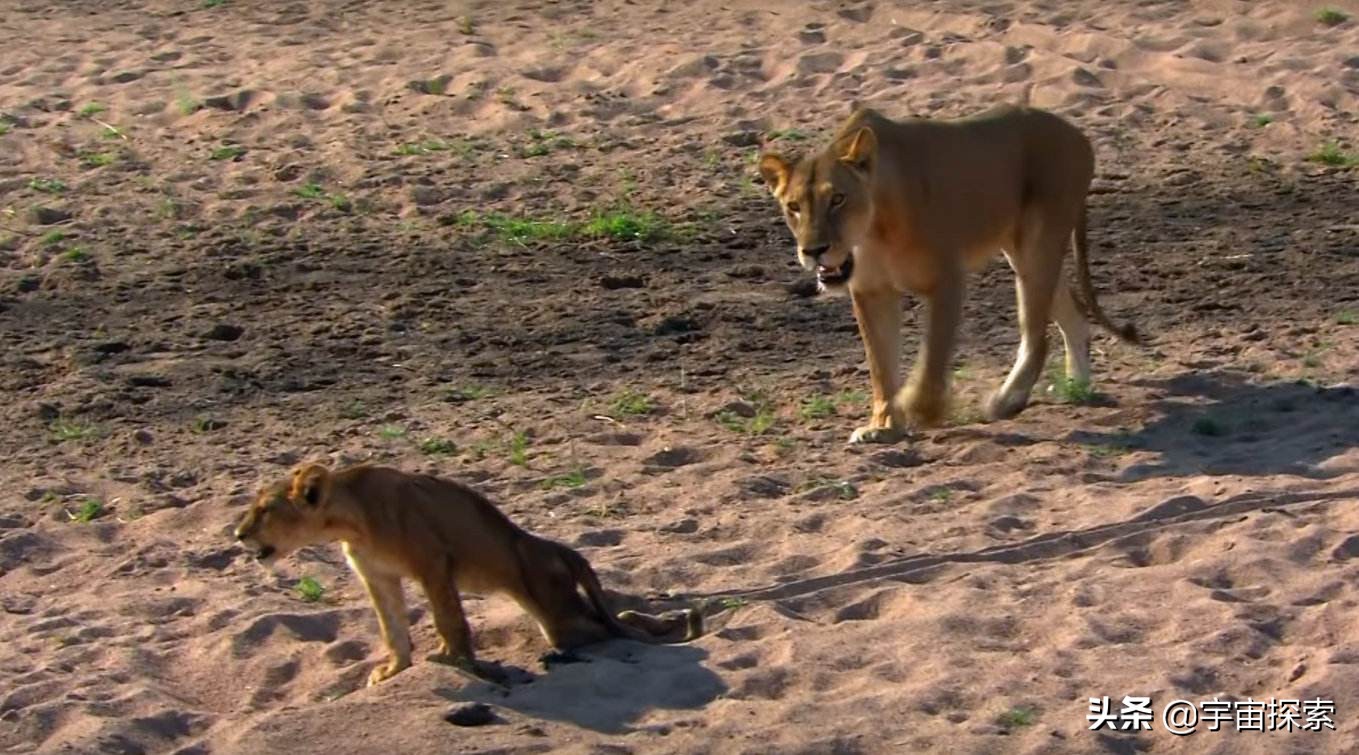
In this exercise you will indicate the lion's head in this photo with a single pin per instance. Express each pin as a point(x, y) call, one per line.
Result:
point(827, 202)
point(287, 514)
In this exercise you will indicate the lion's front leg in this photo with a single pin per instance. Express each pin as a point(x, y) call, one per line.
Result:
point(879, 318)
point(926, 396)
point(389, 603)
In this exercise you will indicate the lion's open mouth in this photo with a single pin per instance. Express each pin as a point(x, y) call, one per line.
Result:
point(835, 276)
point(264, 552)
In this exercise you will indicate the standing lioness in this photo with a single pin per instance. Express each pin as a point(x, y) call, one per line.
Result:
point(914, 205)
point(449, 538)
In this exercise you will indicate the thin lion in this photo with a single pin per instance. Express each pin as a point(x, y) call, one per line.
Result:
point(450, 539)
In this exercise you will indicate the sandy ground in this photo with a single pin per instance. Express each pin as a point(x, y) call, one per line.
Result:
point(238, 235)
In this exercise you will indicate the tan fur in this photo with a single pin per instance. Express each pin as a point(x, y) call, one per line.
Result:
point(913, 206)
point(449, 539)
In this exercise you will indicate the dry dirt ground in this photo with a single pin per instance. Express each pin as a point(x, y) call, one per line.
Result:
point(523, 244)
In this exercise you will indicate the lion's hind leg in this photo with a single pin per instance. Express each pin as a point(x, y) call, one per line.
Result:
point(1075, 331)
point(1038, 274)
point(550, 595)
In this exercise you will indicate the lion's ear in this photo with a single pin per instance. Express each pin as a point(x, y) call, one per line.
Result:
point(859, 150)
point(309, 484)
point(775, 171)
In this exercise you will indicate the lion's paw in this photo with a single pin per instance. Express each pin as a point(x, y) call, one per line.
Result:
point(386, 671)
point(1004, 406)
point(870, 434)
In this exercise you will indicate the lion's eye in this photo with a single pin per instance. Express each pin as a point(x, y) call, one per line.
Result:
point(837, 200)
point(794, 208)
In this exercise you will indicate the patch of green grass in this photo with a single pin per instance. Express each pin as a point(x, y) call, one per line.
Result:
point(1017, 717)
point(353, 410)
point(941, 495)
point(213, 3)
point(392, 432)
point(1209, 427)
point(226, 152)
point(113, 132)
point(52, 238)
point(98, 159)
point(424, 147)
point(617, 224)
point(843, 489)
point(631, 403)
point(628, 225)
point(340, 202)
point(520, 230)
point(76, 255)
point(466, 26)
point(544, 142)
point(517, 453)
point(816, 407)
point(1347, 317)
point(1107, 450)
point(851, 398)
point(311, 190)
point(438, 446)
point(91, 110)
point(167, 209)
point(759, 424)
point(314, 190)
point(468, 393)
point(5, 127)
point(480, 449)
point(309, 590)
point(605, 509)
point(435, 86)
point(185, 102)
point(1260, 120)
point(572, 479)
point(788, 135)
point(47, 185)
point(1332, 155)
point(90, 510)
point(726, 604)
point(1331, 16)
point(505, 95)
point(207, 424)
point(1072, 391)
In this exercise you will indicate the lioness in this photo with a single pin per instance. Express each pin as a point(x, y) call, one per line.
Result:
point(449, 538)
point(914, 205)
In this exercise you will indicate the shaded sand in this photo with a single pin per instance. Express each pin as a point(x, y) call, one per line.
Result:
point(236, 237)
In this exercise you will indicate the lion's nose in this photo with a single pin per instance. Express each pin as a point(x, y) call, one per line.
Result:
point(815, 252)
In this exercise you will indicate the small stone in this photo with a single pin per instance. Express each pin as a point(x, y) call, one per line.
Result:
point(111, 347)
point(614, 282)
point(426, 195)
point(224, 332)
point(149, 381)
point(823, 62)
point(743, 138)
point(42, 215)
point(682, 527)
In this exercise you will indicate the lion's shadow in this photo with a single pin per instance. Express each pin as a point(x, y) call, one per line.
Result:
point(607, 688)
point(1220, 423)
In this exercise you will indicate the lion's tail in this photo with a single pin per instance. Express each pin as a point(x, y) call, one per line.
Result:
point(585, 576)
point(1126, 332)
